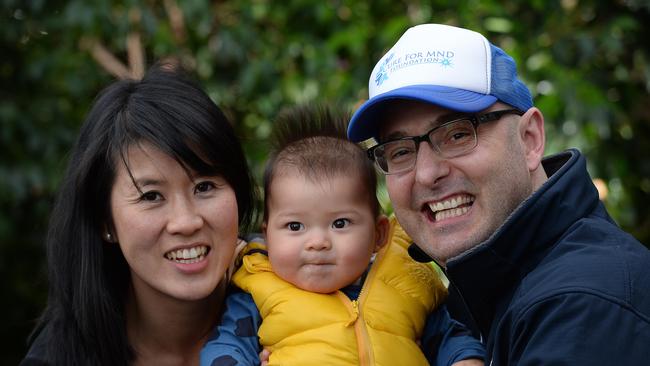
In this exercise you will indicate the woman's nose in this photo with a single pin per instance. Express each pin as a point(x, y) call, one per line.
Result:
point(184, 218)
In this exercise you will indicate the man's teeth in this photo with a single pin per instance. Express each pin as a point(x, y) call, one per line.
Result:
point(441, 215)
point(185, 256)
point(450, 208)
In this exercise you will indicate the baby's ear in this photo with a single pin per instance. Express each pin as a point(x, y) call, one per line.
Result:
point(382, 227)
point(264, 228)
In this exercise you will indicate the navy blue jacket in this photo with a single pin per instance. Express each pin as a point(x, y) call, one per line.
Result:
point(559, 283)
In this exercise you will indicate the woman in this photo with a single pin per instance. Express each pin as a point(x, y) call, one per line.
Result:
point(144, 228)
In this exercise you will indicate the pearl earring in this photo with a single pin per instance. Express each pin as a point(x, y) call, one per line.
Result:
point(109, 237)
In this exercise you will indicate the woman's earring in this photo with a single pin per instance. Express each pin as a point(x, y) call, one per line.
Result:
point(109, 237)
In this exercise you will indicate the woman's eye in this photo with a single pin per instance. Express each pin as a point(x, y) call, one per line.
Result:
point(295, 226)
point(204, 187)
point(340, 223)
point(150, 196)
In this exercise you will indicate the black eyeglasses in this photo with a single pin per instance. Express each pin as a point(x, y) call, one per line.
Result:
point(450, 139)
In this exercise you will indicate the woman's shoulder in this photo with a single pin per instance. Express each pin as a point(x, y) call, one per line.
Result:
point(37, 354)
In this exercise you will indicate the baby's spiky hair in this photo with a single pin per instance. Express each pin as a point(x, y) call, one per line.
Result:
point(311, 140)
point(308, 121)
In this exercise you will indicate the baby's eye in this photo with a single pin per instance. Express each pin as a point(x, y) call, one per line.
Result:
point(340, 223)
point(295, 226)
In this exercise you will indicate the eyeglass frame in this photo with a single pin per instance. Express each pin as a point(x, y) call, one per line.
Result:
point(474, 119)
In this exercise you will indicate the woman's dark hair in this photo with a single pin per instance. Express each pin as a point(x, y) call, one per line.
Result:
point(84, 319)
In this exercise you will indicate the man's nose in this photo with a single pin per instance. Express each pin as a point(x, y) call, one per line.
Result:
point(430, 167)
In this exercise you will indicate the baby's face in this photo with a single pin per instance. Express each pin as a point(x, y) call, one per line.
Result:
point(320, 235)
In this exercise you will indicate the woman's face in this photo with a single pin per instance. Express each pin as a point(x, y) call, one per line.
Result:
point(177, 233)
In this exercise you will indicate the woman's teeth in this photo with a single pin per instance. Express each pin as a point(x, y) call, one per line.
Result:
point(186, 256)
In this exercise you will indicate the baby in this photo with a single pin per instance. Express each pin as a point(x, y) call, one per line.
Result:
point(334, 284)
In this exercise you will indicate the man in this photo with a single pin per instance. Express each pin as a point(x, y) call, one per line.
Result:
point(546, 274)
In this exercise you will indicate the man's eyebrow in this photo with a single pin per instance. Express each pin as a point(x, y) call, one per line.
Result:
point(393, 136)
point(452, 116)
point(438, 121)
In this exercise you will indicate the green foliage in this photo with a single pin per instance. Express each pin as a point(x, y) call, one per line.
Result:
point(587, 63)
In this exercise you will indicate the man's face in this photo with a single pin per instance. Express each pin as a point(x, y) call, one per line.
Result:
point(451, 205)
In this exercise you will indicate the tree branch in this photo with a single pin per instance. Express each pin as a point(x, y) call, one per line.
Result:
point(105, 58)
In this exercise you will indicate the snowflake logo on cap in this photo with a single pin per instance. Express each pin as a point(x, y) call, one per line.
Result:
point(382, 74)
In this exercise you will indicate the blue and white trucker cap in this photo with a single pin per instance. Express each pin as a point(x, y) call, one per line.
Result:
point(451, 67)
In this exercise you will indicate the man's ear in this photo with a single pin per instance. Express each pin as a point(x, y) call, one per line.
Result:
point(531, 130)
point(382, 227)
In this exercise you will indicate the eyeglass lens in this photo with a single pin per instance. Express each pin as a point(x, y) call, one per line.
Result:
point(449, 140)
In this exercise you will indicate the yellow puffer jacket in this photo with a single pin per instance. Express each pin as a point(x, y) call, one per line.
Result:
point(380, 328)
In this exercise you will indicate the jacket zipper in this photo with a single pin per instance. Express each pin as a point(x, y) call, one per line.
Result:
point(467, 309)
point(360, 331)
point(366, 356)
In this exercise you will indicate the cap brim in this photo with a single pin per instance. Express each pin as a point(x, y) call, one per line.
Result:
point(364, 124)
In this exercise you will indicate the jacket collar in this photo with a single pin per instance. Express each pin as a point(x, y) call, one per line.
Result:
point(487, 275)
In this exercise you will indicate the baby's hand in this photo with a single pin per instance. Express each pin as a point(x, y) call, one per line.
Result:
point(265, 354)
point(468, 362)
